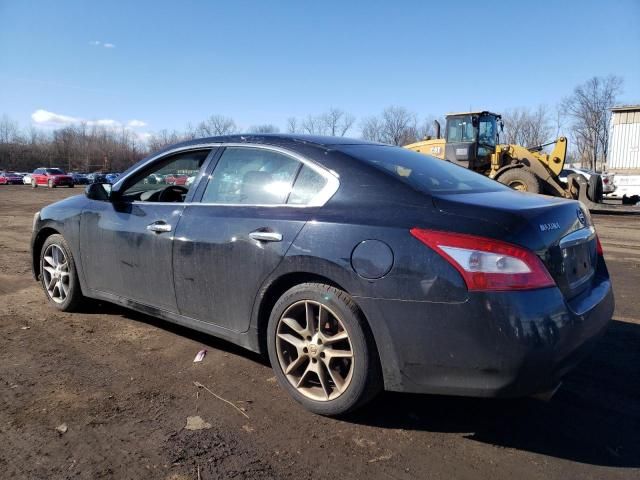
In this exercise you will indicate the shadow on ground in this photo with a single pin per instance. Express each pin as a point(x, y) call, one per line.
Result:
point(593, 419)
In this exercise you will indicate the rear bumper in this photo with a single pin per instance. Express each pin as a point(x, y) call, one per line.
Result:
point(505, 344)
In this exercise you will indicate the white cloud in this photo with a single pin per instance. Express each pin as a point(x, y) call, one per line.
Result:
point(50, 119)
point(98, 43)
point(105, 122)
point(43, 117)
point(136, 124)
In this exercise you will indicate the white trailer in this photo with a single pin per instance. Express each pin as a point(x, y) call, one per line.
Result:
point(623, 158)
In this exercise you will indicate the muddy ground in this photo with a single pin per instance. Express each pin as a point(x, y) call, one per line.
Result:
point(123, 383)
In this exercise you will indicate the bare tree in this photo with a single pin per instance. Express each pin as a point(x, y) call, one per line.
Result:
point(163, 138)
point(292, 125)
point(396, 126)
point(313, 125)
point(428, 129)
point(73, 147)
point(372, 129)
point(588, 109)
point(527, 127)
point(216, 125)
point(265, 128)
point(336, 122)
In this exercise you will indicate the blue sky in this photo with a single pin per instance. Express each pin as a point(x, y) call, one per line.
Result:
point(169, 63)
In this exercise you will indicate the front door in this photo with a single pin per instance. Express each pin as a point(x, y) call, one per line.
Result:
point(127, 243)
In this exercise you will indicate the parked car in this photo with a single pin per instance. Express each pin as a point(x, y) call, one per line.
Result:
point(356, 266)
point(112, 177)
point(80, 178)
point(176, 179)
point(154, 179)
point(27, 179)
point(608, 185)
point(10, 178)
point(51, 177)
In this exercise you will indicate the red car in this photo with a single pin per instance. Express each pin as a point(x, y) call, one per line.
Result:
point(10, 178)
point(51, 177)
point(177, 179)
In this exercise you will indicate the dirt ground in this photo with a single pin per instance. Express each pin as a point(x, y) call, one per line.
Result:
point(123, 383)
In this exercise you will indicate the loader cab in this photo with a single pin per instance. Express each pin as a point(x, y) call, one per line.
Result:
point(471, 138)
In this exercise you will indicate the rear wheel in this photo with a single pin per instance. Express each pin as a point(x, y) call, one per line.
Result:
point(321, 350)
point(58, 274)
point(521, 179)
point(595, 189)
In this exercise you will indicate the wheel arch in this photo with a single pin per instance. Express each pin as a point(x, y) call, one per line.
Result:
point(36, 247)
point(284, 282)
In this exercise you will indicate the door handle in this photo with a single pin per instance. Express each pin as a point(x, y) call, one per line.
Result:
point(159, 227)
point(266, 236)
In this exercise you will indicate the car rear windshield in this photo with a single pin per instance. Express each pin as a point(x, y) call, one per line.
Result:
point(422, 172)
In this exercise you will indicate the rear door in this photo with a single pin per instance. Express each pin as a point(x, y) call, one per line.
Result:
point(228, 243)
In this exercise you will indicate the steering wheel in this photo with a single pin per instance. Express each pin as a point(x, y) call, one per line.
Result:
point(173, 193)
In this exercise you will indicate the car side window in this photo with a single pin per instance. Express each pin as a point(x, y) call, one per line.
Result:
point(251, 176)
point(167, 180)
point(307, 186)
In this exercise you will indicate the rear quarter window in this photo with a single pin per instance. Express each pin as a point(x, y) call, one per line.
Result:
point(422, 172)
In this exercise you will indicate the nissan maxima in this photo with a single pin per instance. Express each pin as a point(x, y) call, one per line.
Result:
point(354, 266)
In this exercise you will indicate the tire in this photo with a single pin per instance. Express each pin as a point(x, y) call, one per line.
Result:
point(34, 184)
point(521, 179)
point(595, 189)
point(72, 185)
point(50, 184)
point(351, 382)
point(71, 299)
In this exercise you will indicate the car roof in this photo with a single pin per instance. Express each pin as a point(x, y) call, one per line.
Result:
point(277, 138)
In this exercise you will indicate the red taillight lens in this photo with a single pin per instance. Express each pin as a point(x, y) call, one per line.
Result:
point(599, 247)
point(487, 264)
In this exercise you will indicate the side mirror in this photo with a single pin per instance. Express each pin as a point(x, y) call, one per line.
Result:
point(98, 191)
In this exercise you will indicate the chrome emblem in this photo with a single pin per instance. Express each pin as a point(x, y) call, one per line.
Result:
point(581, 217)
point(544, 227)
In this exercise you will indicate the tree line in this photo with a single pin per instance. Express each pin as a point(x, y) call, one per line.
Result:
point(583, 116)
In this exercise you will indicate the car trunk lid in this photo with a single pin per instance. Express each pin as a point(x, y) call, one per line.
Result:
point(559, 231)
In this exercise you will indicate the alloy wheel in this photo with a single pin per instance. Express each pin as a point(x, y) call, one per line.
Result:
point(55, 273)
point(314, 350)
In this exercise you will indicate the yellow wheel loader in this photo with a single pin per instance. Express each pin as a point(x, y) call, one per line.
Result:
point(472, 140)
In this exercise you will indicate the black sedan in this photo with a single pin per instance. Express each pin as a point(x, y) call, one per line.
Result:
point(356, 266)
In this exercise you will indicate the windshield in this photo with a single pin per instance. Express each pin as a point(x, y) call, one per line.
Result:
point(460, 129)
point(487, 130)
point(423, 172)
point(54, 171)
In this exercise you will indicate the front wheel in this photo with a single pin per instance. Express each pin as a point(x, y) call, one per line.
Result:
point(521, 179)
point(51, 184)
point(58, 274)
point(322, 351)
point(34, 184)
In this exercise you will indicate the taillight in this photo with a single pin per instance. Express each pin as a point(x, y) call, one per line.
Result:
point(599, 247)
point(487, 264)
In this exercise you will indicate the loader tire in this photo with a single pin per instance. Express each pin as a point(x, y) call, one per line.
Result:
point(594, 192)
point(521, 179)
